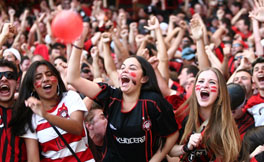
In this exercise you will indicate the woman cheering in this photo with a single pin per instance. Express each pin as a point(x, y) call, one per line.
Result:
point(138, 116)
point(43, 101)
point(210, 133)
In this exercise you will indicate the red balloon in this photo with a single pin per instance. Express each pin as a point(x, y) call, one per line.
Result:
point(67, 26)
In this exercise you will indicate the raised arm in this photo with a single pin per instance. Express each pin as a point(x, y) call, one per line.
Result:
point(153, 24)
point(22, 29)
point(254, 14)
point(120, 51)
point(88, 88)
point(212, 57)
point(175, 44)
point(163, 85)
point(131, 37)
point(110, 66)
point(95, 64)
point(8, 31)
point(238, 15)
point(197, 34)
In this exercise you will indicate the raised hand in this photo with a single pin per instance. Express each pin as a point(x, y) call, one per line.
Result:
point(133, 26)
point(124, 33)
point(209, 49)
point(258, 11)
point(94, 52)
point(8, 30)
point(11, 12)
point(183, 25)
point(220, 14)
point(154, 61)
point(196, 29)
point(153, 23)
point(106, 37)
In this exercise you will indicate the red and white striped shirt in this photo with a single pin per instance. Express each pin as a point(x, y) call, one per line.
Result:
point(53, 148)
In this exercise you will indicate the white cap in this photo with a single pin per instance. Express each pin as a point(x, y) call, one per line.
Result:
point(14, 52)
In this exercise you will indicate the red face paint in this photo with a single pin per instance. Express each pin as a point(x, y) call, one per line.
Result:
point(197, 87)
point(37, 84)
point(133, 74)
point(213, 89)
point(53, 79)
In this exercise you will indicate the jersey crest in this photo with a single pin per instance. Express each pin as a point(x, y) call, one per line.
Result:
point(63, 111)
point(146, 125)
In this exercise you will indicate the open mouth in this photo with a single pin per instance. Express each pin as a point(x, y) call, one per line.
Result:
point(204, 95)
point(125, 80)
point(4, 89)
point(47, 87)
point(261, 79)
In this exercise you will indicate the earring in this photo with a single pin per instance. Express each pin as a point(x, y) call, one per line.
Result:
point(32, 94)
point(58, 90)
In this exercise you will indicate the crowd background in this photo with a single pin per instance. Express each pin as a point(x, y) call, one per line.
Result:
point(178, 38)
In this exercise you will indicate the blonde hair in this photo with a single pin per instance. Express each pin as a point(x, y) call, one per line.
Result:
point(221, 135)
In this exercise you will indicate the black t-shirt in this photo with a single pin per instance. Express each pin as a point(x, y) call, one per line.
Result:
point(131, 135)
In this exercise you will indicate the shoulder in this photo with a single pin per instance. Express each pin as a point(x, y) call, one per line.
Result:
point(70, 93)
point(150, 95)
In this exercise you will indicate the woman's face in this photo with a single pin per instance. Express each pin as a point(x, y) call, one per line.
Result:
point(45, 83)
point(206, 88)
point(130, 75)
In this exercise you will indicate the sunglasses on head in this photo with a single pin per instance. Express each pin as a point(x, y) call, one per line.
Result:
point(8, 75)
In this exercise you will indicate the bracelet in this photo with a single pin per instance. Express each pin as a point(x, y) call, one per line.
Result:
point(186, 149)
point(77, 47)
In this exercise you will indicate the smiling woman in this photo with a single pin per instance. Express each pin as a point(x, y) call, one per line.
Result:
point(209, 131)
point(141, 124)
point(43, 101)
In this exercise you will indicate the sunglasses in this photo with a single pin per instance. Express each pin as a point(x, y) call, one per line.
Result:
point(86, 71)
point(8, 75)
point(238, 57)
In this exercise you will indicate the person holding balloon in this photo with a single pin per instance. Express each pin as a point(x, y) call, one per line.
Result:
point(141, 124)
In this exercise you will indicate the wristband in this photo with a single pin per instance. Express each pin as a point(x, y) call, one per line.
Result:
point(77, 47)
point(186, 149)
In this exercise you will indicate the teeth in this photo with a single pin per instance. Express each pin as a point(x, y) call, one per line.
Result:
point(47, 86)
point(4, 86)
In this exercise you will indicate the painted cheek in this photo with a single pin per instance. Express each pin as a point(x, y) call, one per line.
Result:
point(37, 84)
point(197, 87)
point(213, 89)
point(53, 79)
point(133, 74)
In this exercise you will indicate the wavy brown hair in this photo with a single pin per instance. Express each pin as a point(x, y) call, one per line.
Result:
point(221, 135)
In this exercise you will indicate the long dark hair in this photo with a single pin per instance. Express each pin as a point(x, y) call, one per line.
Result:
point(22, 115)
point(152, 83)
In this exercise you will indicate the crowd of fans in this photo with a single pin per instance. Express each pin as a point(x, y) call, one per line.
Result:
point(165, 81)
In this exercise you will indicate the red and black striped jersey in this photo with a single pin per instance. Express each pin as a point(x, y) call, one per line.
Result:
point(245, 123)
point(12, 148)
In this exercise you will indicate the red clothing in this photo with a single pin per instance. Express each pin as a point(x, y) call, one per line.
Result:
point(243, 36)
point(253, 100)
point(219, 52)
point(12, 148)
